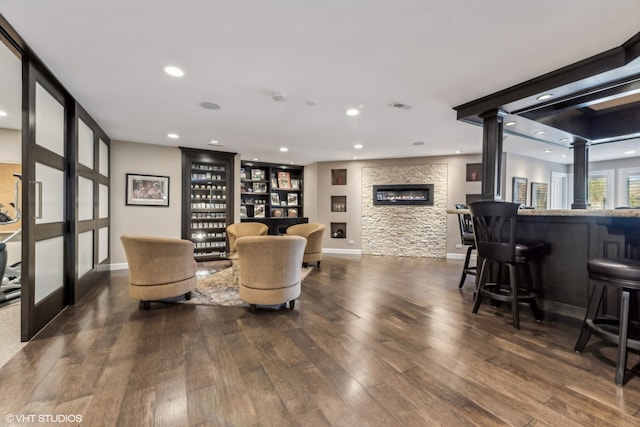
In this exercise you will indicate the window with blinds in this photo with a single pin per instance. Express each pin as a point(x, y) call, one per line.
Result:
point(601, 189)
point(632, 184)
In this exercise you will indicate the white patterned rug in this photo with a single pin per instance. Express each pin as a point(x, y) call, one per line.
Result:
point(220, 289)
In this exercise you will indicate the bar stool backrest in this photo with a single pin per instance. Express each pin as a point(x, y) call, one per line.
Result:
point(495, 229)
point(466, 225)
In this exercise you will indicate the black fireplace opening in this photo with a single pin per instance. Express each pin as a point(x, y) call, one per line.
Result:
point(403, 194)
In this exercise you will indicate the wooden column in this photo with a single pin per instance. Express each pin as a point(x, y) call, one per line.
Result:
point(492, 155)
point(580, 175)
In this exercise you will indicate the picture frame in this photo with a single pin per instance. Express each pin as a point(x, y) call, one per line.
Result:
point(259, 187)
point(243, 212)
point(243, 173)
point(147, 190)
point(292, 213)
point(295, 184)
point(474, 172)
point(284, 180)
point(539, 192)
point(519, 192)
point(274, 183)
point(275, 199)
point(257, 174)
point(292, 199)
point(470, 198)
point(277, 213)
point(338, 177)
point(259, 211)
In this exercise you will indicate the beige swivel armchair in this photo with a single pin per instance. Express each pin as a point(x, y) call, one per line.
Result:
point(159, 268)
point(270, 269)
point(241, 229)
point(313, 233)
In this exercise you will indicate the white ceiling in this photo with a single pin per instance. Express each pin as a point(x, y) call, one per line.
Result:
point(327, 56)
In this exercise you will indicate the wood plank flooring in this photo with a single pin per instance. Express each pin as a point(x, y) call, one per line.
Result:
point(373, 341)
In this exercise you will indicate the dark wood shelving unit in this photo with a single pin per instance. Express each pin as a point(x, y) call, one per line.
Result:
point(207, 201)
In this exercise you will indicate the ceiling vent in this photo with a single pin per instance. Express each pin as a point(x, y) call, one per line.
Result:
point(279, 96)
point(401, 106)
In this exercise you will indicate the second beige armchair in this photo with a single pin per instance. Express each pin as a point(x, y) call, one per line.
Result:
point(313, 233)
point(243, 229)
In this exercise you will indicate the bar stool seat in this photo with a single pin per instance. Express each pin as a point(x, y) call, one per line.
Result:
point(623, 274)
point(495, 225)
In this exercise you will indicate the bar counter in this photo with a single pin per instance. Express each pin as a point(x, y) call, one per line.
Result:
point(573, 236)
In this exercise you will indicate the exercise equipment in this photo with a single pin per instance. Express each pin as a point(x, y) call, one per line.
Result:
point(10, 287)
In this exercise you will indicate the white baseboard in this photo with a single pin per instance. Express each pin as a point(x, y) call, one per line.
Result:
point(342, 251)
point(461, 256)
point(119, 266)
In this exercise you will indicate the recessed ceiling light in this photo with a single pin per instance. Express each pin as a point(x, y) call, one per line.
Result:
point(545, 96)
point(3, 114)
point(458, 151)
point(211, 106)
point(358, 146)
point(630, 152)
point(510, 123)
point(354, 158)
point(173, 135)
point(352, 112)
point(565, 140)
point(214, 142)
point(539, 132)
point(548, 151)
point(564, 155)
point(255, 159)
point(173, 71)
point(418, 143)
point(284, 149)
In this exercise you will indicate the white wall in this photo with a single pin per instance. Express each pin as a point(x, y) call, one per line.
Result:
point(526, 167)
point(147, 159)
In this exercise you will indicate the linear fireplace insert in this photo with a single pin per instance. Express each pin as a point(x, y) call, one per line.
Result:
point(403, 194)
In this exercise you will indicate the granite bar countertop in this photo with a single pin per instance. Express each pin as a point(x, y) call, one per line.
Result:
point(621, 213)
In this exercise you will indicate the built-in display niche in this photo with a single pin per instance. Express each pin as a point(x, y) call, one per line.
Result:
point(403, 194)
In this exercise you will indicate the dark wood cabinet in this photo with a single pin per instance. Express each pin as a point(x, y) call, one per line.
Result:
point(271, 193)
point(207, 201)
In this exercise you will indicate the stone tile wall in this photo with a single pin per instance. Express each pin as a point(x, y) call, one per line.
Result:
point(419, 231)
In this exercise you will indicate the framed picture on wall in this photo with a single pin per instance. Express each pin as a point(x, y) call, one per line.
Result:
point(539, 195)
point(474, 172)
point(147, 190)
point(284, 180)
point(519, 192)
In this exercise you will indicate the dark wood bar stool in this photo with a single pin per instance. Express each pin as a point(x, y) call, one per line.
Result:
point(494, 225)
point(467, 239)
point(624, 275)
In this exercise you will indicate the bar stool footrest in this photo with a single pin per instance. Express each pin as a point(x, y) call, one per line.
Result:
point(607, 329)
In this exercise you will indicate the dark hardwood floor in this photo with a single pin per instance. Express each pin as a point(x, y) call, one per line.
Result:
point(373, 341)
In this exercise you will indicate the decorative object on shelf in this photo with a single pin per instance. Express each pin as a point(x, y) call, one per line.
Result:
point(292, 213)
point(339, 230)
point(243, 173)
point(284, 180)
point(539, 195)
point(243, 212)
point(259, 187)
point(338, 177)
point(519, 192)
point(257, 174)
point(474, 172)
point(147, 190)
point(275, 199)
point(292, 199)
point(338, 203)
point(277, 213)
point(295, 184)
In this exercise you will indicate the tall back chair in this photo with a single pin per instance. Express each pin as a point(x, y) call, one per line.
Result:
point(242, 229)
point(467, 238)
point(495, 226)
